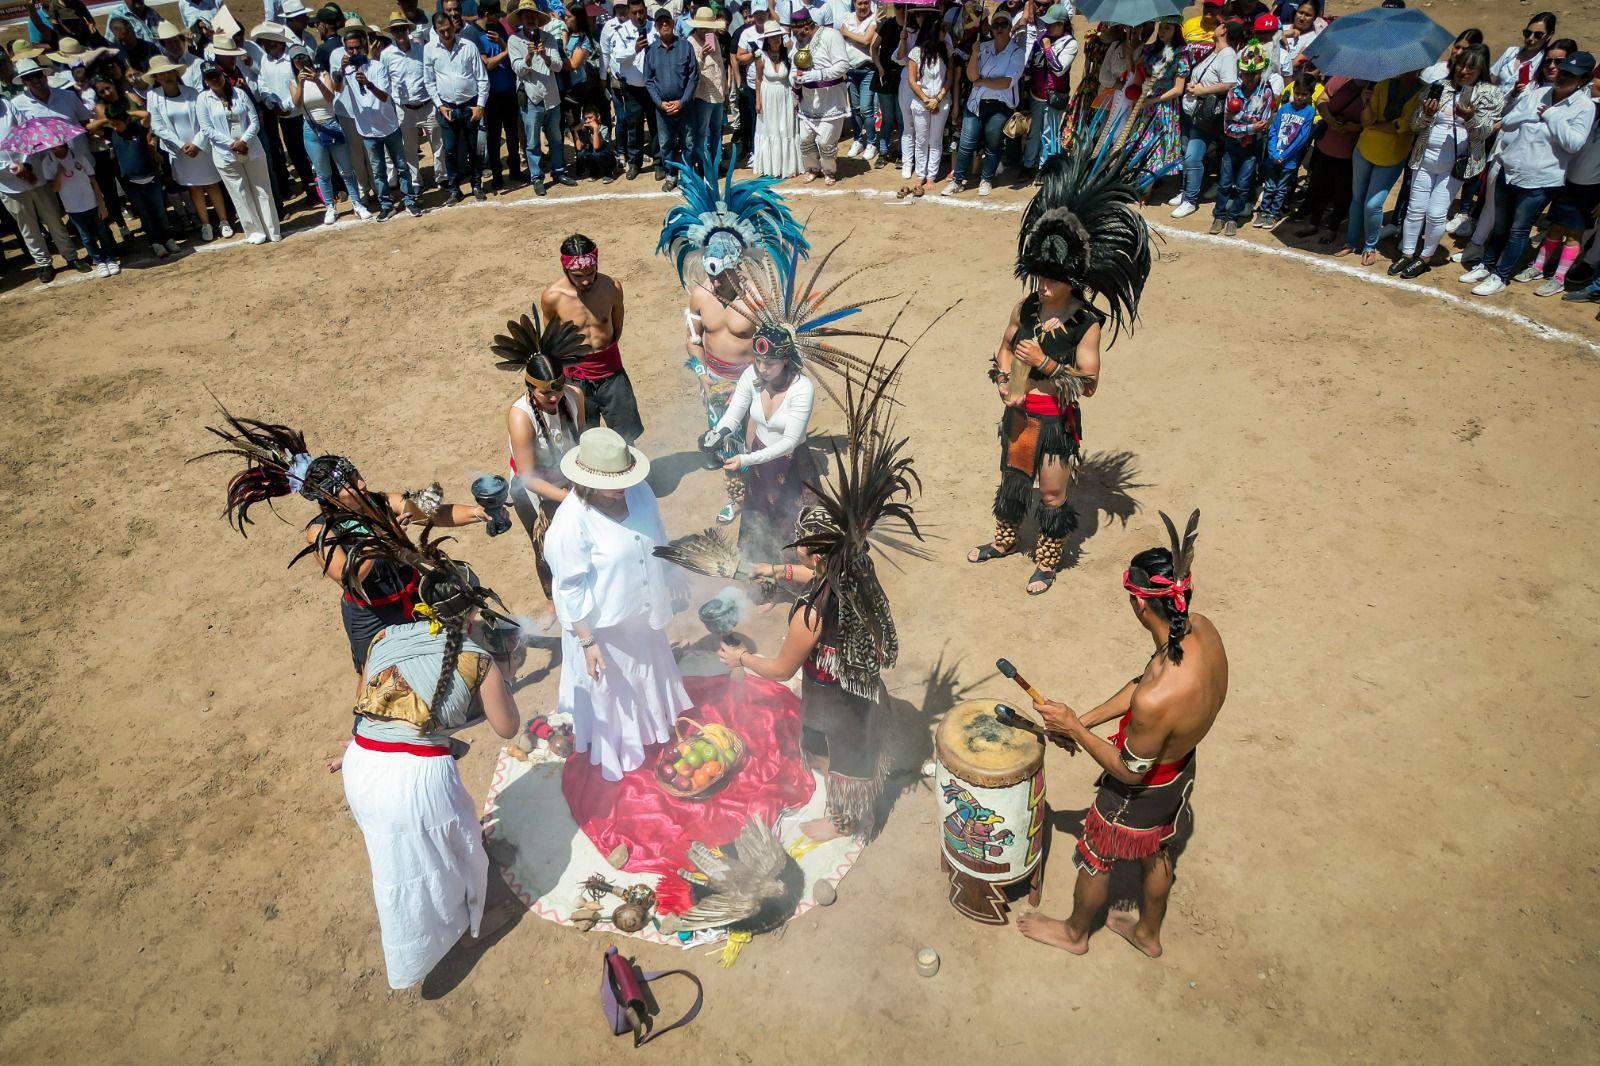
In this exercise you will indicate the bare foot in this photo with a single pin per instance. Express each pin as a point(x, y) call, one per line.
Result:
point(547, 620)
point(821, 830)
point(1346, 250)
point(1052, 931)
point(1126, 926)
point(336, 763)
point(831, 181)
point(810, 177)
point(1368, 258)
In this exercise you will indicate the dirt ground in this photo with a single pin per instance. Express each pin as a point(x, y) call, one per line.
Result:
point(1391, 857)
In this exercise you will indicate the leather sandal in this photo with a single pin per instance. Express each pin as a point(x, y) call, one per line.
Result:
point(1048, 577)
point(987, 552)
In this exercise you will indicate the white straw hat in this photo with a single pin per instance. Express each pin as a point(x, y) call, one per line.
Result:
point(603, 460)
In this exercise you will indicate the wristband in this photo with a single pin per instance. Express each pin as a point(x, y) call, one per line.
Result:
point(586, 642)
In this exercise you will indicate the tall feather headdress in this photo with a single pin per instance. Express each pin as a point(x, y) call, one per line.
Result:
point(724, 223)
point(542, 351)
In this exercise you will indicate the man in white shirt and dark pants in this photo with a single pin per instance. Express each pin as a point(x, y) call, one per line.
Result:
point(458, 85)
point(402, 67)
point(367, 93)
point(622, 51)
point(993, 70)
point(824, 98)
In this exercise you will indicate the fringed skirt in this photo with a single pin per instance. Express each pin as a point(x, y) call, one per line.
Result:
point(1132, 821)
point(429, 869)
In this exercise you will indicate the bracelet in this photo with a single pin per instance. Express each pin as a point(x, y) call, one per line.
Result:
point(586, 642)
point(788, 571)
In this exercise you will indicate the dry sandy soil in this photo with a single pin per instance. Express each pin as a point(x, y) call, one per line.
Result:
point(1391, 858)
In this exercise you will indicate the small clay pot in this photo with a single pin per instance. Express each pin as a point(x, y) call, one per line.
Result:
point(561, 745)
point(630, 917)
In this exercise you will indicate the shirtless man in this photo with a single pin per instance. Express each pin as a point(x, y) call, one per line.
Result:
point(592, 301)
point(721, 329)
point(1149, 763)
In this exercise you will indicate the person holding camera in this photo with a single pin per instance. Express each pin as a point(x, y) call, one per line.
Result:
point(366, 91)
point(458, 84)
point(536, 59)
point(622, 50)
point(324, 137)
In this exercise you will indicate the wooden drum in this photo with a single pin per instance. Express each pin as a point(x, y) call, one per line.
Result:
point(990, 785)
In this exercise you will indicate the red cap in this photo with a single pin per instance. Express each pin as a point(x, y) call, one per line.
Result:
point(1266, 24)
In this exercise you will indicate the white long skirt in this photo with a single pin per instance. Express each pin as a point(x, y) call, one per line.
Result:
point(429, 869)
point(633, 704)
point(777, 148)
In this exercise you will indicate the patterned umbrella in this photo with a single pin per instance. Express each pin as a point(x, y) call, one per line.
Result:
point(1378, 44)
point(1130, 12)
point(40, 134)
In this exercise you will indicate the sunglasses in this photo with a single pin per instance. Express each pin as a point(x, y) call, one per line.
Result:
point(1534, 35)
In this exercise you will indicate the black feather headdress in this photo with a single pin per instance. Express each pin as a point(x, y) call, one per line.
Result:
point(1083, 228)
point(868, 495)
point(541, 351)
point(276, 464)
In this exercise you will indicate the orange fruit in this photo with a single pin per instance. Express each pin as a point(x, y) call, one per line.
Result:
point(714, 768)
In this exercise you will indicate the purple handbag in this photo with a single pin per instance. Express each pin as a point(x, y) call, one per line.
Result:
point(625, 998)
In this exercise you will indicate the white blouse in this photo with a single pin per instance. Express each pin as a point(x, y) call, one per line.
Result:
point(604, 571)
point(782, 431)
point(221, 125)
point(175, 120)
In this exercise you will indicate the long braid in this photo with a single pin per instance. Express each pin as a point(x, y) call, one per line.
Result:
point(447, 669)
point(1178, 627)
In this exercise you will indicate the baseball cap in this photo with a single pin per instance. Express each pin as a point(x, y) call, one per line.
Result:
point(1266, 24)
point(1579, 63)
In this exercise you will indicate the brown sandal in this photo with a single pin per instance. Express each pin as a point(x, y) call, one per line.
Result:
point(905, 191)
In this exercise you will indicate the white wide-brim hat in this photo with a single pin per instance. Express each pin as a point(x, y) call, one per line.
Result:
point(603, 460)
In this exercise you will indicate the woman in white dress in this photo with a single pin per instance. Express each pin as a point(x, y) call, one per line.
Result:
point(777, 151)
point(175, 121)
point(230, 127)
point(619, 680)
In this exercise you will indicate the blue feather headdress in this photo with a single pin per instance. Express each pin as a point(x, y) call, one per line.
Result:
point(723, 223)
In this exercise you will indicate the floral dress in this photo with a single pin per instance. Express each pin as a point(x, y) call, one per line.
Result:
point(1155, 140)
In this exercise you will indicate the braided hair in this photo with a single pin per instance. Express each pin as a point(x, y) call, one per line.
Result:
point(1157, 562)
point(449, 595)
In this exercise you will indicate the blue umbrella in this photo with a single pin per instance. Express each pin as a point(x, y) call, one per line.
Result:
point(1130, 12)
point(1378, 44)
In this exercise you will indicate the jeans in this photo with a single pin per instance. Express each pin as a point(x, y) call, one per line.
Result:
point(461, 145)
point(324, 157)
point(704, 130)
point(1369, 188)
point(1044, 135)
point(862, 111)
point(106, 173)
point(671, 133)
point(1328, 189)
point(747, 121)
point(395, 146)
point(637, 110)
point(1515, 210)
point(541, 136)
point(1239, 159)
point(150, 204)
point(989, 126)
point(1278, 178)
point(1196, 143)
point(890, 121)
point(96, 238)
point(500, 120)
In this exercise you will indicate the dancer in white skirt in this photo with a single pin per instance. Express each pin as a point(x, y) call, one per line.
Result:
point(175, 122)
point(618, 678)
point(777, 148)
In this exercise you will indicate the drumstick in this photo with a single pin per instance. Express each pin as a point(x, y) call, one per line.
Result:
point(1005, 667)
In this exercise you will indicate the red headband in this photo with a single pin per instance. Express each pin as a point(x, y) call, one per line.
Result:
point(586, 261)
point(1165, 589)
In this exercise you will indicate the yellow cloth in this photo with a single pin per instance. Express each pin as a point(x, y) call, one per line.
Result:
point(1193, 30)
point(1317, 94)
point(1381, 148)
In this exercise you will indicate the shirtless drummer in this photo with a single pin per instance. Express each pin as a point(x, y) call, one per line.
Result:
point(593, 302)
point(720, 332)
point(1149, 763)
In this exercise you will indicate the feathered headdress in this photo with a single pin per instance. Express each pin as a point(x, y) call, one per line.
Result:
point(1083, 228)
point(717, 228)
point(869, 495)
point(1177, 587)
point(797, 326)
point(541, 352)
point(276, 463)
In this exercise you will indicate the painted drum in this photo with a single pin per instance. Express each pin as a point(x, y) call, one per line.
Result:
point(993, 830)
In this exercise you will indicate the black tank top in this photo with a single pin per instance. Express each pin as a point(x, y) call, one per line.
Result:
point(1059, 344)
point(386, 580)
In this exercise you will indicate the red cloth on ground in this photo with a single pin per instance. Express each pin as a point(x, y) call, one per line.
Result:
point(658, 828)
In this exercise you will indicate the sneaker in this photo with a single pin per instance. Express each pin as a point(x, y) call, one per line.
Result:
point(1529, 275)
point(985, 188)
point(329, 215)
point(1458, 225)
point(1578, 297)
point(116, 266)
point(1177, 199)
point(1184, 210)
point(1230, 229)
point(870, 153)
point(226, 230)
point(386, 214)
point(172, 247)
point(855, 151)
point(1489, 286)
point(905, 173)
point(206, 232)
point(1475, 275)
point(951, 189)
point(1468, 255)
point(882, 161)
point(1415, 269)
point(1398, 267)
point(256, 238)
point(362, 211)
point(1550, 287)
point(611, 177)
point(103, 270)
point(1216, 226)
point(159, 248)
point(413, 210)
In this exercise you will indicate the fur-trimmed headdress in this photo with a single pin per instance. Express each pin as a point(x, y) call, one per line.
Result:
point(723, 223)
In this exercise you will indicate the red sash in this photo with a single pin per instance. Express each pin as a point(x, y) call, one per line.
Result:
point(595, 366)
point(426, 750)
point(1158, 774)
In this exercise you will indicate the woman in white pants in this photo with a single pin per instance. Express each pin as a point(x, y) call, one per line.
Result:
point(925, 90)
point(1453, 121)
point(229, 126)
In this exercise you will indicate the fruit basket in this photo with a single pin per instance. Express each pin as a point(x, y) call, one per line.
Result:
point(710, 753)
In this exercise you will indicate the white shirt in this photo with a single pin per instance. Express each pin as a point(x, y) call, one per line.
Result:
point(1536, 148)
point(221, 125)
point(404, 71)
point(617, 43)
point(992, 64)
point(750, 41)
point(604, 572)
point(828, 63)
point(862, 28)
point(822, 11)
point(1508, 68)
point(62, 103)
point(175, 120)
point(1219, 68)
point(272, 83)
point(372, 117)
point(456, 75)
point(781, 432)
point(190, 10)
point(77, 180)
